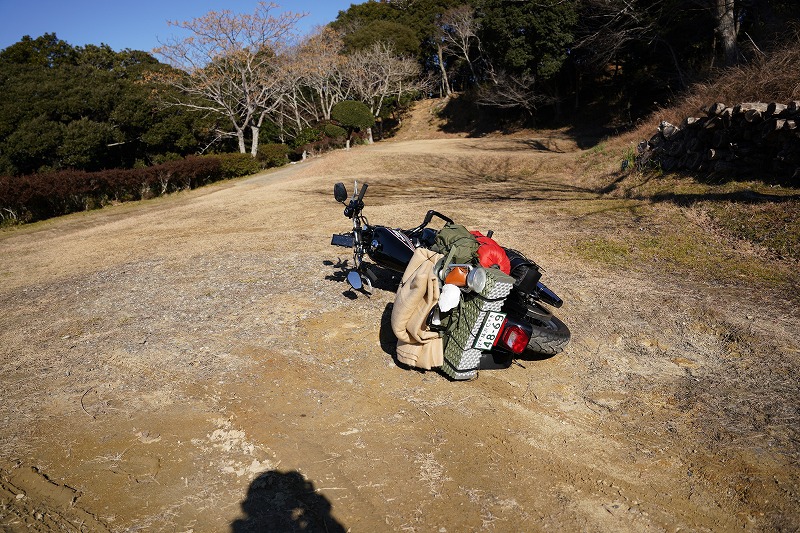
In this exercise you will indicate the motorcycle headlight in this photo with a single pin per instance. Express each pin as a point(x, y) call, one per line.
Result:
point(476, 279)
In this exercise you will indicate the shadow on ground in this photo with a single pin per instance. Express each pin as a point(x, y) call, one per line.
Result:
point(285, 501)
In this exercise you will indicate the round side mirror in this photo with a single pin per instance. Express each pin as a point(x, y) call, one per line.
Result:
point(340, 192)
point(354, 279)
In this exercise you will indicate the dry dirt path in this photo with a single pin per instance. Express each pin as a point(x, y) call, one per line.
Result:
point(195, 363)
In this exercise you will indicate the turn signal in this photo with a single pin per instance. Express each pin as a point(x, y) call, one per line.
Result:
point(457, 276)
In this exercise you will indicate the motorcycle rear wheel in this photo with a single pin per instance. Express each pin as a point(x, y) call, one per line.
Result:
point(549, 337)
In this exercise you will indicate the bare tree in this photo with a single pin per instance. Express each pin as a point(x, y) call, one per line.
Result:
point(506, 91)
point(440, 53)
point(230, 65)
point(459, 31)
point(377, 73)
point(607, 26)
point(322, 60)
point(294, 105)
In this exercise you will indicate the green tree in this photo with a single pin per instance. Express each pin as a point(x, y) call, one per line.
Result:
point(409, 26)
point(527, 38)
point(369, 22)
point(352, 116)
point(85, 108)
point(86, 144)
point(32, 146)
point(45, 51)
point(402, 38)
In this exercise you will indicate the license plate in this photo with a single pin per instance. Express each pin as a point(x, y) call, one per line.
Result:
point(491, 327)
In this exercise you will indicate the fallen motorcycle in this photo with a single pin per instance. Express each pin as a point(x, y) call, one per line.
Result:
point(510, 317)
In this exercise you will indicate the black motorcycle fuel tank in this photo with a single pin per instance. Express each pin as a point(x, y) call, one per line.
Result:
point(390, 248)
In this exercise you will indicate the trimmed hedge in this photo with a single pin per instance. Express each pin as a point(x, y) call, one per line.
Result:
point(334, 132)
point(306, 136)
point(40, 196)
point(273, 155)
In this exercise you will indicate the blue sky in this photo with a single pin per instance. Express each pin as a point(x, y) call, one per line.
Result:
point(134, 24)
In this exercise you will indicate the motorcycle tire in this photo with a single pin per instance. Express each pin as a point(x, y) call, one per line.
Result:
point(549, 337)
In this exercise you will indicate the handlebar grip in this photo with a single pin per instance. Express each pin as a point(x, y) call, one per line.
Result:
point(362, 192)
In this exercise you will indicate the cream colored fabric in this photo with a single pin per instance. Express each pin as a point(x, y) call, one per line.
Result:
point(417, 295)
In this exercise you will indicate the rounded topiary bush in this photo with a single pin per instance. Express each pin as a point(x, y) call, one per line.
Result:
point(352, 115)
point(235, 165)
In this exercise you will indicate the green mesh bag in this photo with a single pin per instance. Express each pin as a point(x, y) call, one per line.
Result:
point(461, 358)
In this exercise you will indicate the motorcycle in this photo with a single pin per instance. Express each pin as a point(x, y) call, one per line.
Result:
point(527, 326)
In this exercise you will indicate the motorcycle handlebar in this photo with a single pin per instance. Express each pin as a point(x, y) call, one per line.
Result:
point(362, 192)
point(356, 204)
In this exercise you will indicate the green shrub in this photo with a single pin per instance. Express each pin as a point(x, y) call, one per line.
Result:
point(307, 136)
point(164, 158)
point(352, 115)
point(235, 165)
point(273, 155)
point(334, 132)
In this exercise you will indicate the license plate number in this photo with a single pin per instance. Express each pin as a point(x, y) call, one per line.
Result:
point(491, 327)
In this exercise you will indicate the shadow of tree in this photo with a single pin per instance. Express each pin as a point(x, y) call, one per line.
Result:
point(548, 143)
point(489, 179)
point(463, 115)
point(744, 197)
point(285, 502)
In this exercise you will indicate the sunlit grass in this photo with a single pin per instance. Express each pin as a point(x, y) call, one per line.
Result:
point(681, 246)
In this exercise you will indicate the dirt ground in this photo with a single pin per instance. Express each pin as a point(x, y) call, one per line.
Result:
point(196, 363)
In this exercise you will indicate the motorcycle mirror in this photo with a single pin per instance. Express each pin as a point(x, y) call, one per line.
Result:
point(354, 279)
point(340, 192)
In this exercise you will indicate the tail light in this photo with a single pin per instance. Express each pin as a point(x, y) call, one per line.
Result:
point(514, 336)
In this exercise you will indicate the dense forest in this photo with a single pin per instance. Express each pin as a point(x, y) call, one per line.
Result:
point(248, 83)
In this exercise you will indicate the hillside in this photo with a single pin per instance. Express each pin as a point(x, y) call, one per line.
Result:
point(196, 362)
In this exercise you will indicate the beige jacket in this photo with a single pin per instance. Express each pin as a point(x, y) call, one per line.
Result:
point(418, 293)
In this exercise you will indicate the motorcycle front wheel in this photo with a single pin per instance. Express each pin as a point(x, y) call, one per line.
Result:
point(549, 337)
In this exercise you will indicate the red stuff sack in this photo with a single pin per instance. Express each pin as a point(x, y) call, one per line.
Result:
point(490, 253)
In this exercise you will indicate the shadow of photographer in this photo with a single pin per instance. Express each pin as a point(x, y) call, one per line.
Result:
point(283, 502)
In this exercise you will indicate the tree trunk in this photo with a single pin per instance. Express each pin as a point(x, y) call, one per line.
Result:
point(727, 30)
point(240, 138)
point(471, 68)
point(254, 146)
point(445, 81)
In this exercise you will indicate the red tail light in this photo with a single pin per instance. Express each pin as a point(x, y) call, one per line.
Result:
point(513, 337)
